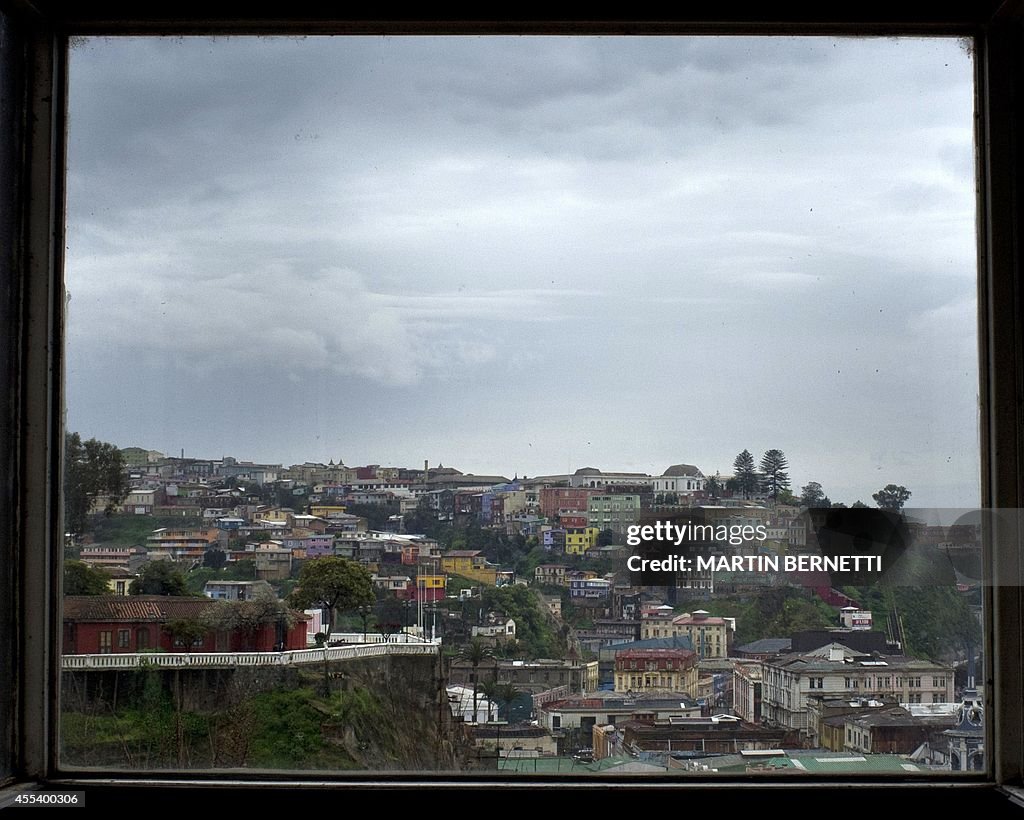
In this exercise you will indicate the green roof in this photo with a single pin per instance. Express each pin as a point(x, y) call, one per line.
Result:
point(846, 764)
point(566, 765)
point(823, 763)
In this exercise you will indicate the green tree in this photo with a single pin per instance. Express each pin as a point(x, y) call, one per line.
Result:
point(892, 497)
point(787, 497)
point(376, 515)
point(774, 467)
point(94, 472)
point(811, 495)
point(337, 583)
point(81, 579)
point(476, 652)
point(533, 621)
point(196, 579)
point(505, 694)
point(938, 622)
point(159, 578)
point(744, 474)
point(249, 617)
point(389, 612)
point(187, 631)
point(776, 611)
point(605, 538)
point(244, 570)
point(215, 559)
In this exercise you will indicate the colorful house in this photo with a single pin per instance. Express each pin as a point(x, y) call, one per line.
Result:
point(580, 539)
point(469, 564)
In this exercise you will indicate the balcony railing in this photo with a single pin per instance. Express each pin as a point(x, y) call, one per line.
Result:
point(179, 660)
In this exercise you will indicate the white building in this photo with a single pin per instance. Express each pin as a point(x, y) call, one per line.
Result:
point(853, 618)
point(460, 700)
point(682, 479)
point(834, 669)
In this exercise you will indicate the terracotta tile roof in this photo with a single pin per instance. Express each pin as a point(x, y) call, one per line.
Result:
point(133, 607)
point(157, 608)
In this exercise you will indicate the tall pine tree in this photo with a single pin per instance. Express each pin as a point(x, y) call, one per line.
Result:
point(774, 470)
point(744, 474)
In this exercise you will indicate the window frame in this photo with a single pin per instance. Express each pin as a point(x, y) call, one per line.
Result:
point(31, 280)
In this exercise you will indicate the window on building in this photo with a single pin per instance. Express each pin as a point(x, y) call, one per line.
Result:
point(105, 641)
point(123, 638)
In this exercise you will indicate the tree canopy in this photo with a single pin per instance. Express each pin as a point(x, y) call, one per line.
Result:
point(159, 578)
point(94, 471)
point(250, 616)
point(81, 579)
point(776, 612)
point(892, 497)
point(744, 473)
point(187, 632)
point(533, 623)
point(337, 583)
point(476, 652)
point(812, 495)
point(215, 559)
point(774, 467)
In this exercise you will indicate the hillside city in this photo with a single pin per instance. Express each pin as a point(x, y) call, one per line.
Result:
point(225, 613)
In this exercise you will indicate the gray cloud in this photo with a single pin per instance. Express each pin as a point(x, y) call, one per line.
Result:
point(494, 251)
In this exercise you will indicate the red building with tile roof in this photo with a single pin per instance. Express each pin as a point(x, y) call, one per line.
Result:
point(102, 624)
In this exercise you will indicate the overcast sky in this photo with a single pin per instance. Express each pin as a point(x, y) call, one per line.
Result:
point(529, 255)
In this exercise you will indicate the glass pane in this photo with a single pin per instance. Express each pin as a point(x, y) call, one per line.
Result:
point(11, 57)
point(384, 352)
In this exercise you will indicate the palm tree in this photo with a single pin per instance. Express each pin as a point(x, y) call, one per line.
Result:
point(504, 694)
point(475, 652)
point(489, 689)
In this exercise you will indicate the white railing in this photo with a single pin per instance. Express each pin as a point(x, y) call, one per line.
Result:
point(376, 637)
point(178, 660)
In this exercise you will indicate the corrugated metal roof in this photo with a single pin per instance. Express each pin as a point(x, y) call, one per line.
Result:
point(766, 645)
point(845, 763)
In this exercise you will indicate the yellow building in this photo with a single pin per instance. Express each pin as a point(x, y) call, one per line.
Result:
point(326, 510)
point(469, 564)
point(120, 580)
point(580, 539)
point(431, 587)
point(660, 670)
point(709, 636)
point(279, 515)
